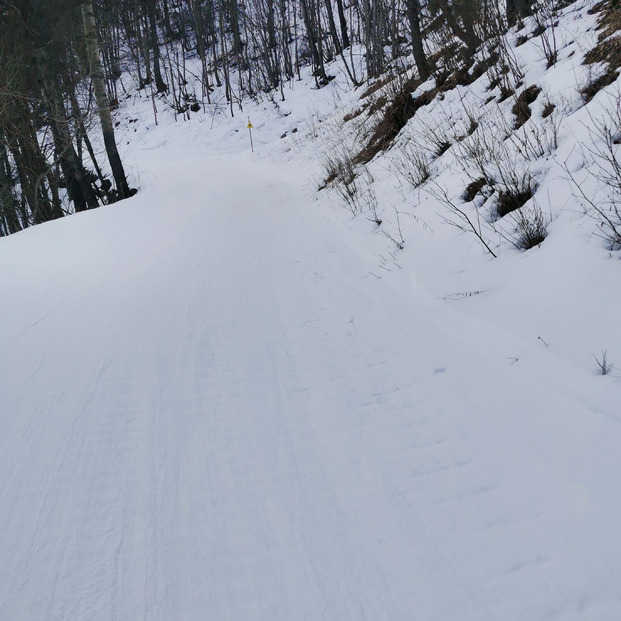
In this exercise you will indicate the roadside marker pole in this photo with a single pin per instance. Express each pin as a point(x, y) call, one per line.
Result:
point(249, 126)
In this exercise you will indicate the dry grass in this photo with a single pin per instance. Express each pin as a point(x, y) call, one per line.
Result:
point(511, 199)
point(521, 108)
point(474, 188)
point(396, 114)
point(610, 17)
point(608, 49)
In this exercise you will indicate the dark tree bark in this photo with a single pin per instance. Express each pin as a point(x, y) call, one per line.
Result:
point(79, 187)
point(9, 218)
point(464, 33)
point(233, 8)
point(313, 36)
point(342, 23)
point(160, 85)
point(103, 105)
point(518, 9)
point(420, 58)
point(331, 23)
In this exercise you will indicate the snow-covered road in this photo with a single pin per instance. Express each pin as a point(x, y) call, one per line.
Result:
point(211, 410)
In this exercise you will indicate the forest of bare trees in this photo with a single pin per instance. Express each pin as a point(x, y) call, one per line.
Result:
point(64, 65)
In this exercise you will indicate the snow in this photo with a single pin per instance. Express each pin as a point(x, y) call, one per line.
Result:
point(227, 398)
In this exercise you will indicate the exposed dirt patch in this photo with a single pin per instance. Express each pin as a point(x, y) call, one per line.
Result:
point(350, 116)
point(505, 93)
point(509, 201)
point(378, 104)
point(371, 107)
point(592, 88)
point(473, 189)
point(521, 108)
point(548, 110)
point(608, 50)
point(610, 17)
point(373, 88)
point(396, 114)
point(480, 68)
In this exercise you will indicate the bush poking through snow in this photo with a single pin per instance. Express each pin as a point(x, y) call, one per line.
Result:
point(459, 216)
point(608, 50)
point(340, 173)
point(546, 17)
point(605, 154)
point(597, 84)
point(548, 109)
point(521, 108)
point(603, 366)
point(414, 166)
point(514, 195)
point(473, 189)
point(398, 112)
point(531, 227)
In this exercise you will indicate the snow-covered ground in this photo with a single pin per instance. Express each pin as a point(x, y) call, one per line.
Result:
point(227, 398)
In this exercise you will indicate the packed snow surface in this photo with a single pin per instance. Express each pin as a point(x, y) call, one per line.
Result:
point(213, 407)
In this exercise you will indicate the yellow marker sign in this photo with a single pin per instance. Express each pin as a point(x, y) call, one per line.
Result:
point(249, 127)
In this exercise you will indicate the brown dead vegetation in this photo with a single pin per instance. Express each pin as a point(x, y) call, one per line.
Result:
point(474, 188)
point(521, 108)
point(608, 49)
point(396, 114)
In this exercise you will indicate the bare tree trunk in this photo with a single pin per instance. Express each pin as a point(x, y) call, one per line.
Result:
point(79, 187)
point(235, 30)
point(9, 219)
point(335, 37)
point(464, 33)
point(103, 105)
point(342, 23)
point(413, 8)
point(517, 9)
point(160, 85)
point(313, 36)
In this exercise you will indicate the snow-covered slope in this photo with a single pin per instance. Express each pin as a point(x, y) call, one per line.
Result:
point(226, 398)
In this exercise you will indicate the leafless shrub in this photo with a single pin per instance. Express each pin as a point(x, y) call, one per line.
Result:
point(459, 216)
point(546, 14)
point(480, 153)
point(539, 140)
point(368, 200)
point(604, 367)
point(412, 164)
point(341, 175)
point(530, 226)
point(396, 238)
point(507, 73)
point(597, 82)
point(515, 191)
point(338, 166)
point(433, 135)
point(605, 156)
point(470, 121)
point(393, 116)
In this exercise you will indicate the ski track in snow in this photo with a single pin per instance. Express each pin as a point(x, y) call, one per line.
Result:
point(211, 410)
